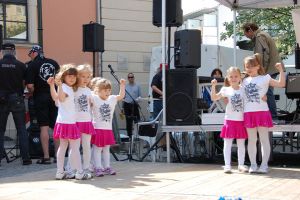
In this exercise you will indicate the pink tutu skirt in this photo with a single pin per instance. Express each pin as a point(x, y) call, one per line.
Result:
point(258, 119)
point(234, 129)
point(86, 127)
point(103, 138)
point(66, 131)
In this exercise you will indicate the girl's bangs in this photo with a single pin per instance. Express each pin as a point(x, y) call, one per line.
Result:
point(72, 71)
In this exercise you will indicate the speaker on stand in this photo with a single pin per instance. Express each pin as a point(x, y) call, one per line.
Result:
point(174, 15)
point(93, 40)
point(187, 48)
point(292, 91)
point(181, 96)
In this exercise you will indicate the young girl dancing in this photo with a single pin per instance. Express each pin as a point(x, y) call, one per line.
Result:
point(65, 128)
point(83, 97)
point(103, 108)
point(257, 116)
point(234, 121)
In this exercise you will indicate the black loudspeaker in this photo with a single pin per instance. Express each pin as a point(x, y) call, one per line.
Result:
point(187, 48)
point(292, 89)
point(181, 96)
point(173, 13)
point(297, 57)
point(35, 145)
point(93, 37)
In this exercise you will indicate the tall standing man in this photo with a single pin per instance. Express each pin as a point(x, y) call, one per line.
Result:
point(12, 76)
point(130, 104)
point(157, 94)
point(265, 45)
point(38, 72)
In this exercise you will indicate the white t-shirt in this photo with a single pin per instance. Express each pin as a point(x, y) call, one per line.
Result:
point(235, 107)
point(66, 110)
point(82, 104)
point(255, 88)
point(103, 111)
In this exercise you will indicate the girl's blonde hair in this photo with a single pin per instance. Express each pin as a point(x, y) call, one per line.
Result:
point(67, 69)
point(85, 68)
point(102, 84)
point(230, 70)
point(255, 60)
point(93, 82)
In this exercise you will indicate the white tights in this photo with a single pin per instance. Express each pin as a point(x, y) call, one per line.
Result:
point(227, 151)
point(264, 141)
point(86, 148)
point(75, 159)
point(98, 152)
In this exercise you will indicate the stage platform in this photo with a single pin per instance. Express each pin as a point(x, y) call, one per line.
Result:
point(284, 138)
point(146, 180)
point(211, 128)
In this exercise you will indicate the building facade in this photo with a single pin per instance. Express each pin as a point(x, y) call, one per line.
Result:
point(57, 26)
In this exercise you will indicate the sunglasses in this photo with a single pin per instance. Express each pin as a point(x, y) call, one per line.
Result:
point(130, 76)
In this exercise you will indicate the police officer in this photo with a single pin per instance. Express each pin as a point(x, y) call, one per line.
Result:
point(12, 76)
point(38, 72)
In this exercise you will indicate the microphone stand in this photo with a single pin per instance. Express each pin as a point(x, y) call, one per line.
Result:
point(129, 154)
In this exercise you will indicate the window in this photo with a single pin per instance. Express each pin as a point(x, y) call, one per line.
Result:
point(13, 18)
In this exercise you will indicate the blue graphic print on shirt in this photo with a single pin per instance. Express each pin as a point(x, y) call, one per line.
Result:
point(252, 93)
point(237, 103)
point(82, 103)
point(105, 112)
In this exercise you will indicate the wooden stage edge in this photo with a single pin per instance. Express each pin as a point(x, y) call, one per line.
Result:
point(217, 127)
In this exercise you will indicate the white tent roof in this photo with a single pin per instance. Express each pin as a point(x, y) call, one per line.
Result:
point(242, 4)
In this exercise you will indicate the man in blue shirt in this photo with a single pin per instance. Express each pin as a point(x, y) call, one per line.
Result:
point(130, 105)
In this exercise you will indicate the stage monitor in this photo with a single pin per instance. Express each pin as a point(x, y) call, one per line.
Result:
point(292, 86)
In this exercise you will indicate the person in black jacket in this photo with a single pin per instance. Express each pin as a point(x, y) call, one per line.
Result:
point(157, 94)
point(38, 72)
point(12, 76)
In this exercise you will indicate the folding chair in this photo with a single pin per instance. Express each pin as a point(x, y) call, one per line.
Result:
point(148, 131)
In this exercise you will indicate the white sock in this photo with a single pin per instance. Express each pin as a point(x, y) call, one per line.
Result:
point(97, 153)
point(86, 147)
point(106, 156)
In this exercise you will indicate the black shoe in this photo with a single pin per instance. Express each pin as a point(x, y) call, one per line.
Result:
point(44, 161)
point(27, 162)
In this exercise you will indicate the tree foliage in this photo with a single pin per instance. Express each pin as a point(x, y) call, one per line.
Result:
point(277, 22)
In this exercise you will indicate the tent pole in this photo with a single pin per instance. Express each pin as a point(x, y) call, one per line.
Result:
point(234, 37)
point(163, 61)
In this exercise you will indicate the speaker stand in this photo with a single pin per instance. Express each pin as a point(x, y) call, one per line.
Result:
point(114, 154)
point(9, 151)
point(129, 154)
point(173, 146)
point(169, 47)
point(94, 64)
point(296, 119)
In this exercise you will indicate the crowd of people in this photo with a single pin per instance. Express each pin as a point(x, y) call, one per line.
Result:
point(79, 108)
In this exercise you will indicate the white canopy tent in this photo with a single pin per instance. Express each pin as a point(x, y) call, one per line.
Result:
point(234, 5)
point(246, 4)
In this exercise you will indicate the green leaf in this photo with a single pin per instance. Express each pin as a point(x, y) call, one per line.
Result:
point(277, 22)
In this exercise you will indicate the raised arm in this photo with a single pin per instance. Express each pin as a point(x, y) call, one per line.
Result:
point(281, 81)
point(122, 90)
point(53, 92)
point(214, 96)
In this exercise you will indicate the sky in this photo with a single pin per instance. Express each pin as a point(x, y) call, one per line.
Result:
point(194, 5)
